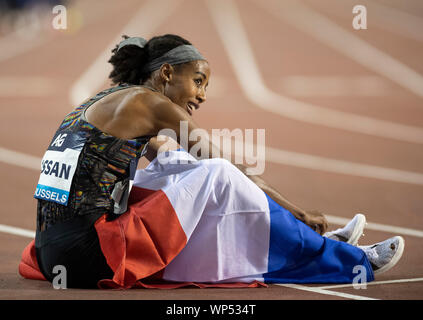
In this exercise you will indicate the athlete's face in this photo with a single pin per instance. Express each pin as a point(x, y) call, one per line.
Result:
point(186, 85)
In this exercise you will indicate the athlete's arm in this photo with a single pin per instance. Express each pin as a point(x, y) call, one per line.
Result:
point(170, 119)
point(169, 116)
point(313, 219)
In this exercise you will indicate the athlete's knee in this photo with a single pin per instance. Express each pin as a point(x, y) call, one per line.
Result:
point(230, 183)
point(225, 174)
point(221, 166)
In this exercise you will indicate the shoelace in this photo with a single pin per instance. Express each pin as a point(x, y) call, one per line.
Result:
point(372, 254)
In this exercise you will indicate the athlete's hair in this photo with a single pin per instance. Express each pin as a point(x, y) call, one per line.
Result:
point(129, 60)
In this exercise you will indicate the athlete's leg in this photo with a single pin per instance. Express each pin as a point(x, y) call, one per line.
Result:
point(242, 232)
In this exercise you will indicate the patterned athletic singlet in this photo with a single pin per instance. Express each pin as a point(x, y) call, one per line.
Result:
point(86, 171)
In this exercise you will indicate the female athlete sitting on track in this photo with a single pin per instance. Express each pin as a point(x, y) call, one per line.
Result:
point(182, 219)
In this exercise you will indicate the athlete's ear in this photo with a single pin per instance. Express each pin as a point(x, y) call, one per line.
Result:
point(166, 72)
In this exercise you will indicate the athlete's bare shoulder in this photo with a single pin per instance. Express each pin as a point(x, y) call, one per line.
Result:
point(134, 112)
point(160, 109)
point(142, 102)
point(125, 113)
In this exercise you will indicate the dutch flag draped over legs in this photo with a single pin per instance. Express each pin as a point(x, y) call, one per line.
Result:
point(204, 221)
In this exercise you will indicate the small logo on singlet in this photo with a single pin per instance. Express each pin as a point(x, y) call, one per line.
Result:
point(59, 140)
point(58, 167)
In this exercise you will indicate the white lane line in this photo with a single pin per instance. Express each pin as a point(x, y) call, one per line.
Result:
point(17, 231)
point(372, 283)
point(308, 161)
point(226, 17)
point(378, 227)
point(277, 156)
point(385, 17)
point(323, 29)
point(293, 159)
point(273, 155)
point(12, 47)
point(20, 159)
point(27, 37)
point(396, 21)
point(334, 86)
point(326, 292)
point(145, 21)
point(27, 86)
point(331, 219)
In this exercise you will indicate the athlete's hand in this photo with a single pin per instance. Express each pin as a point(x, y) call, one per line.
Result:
point(316, 220)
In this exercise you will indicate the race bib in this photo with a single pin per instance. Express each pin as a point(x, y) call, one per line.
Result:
point(58, 167)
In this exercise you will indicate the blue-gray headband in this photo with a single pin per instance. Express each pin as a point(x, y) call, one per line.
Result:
point(181, 54)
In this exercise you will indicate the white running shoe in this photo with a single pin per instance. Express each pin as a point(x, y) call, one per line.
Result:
point(384, 255)
point(352, 231)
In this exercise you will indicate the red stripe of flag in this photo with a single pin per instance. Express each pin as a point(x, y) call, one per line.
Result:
point(143, 240)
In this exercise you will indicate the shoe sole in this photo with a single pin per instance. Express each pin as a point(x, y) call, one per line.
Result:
point(397, 256)
point(358, 230)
